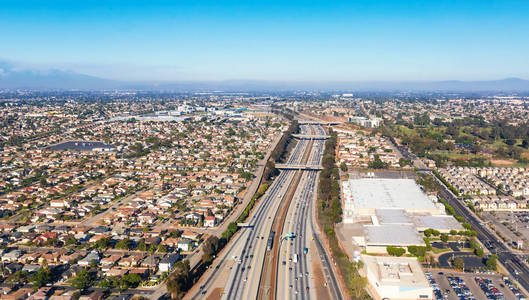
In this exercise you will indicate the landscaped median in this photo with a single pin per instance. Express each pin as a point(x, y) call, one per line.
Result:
point(445, 182)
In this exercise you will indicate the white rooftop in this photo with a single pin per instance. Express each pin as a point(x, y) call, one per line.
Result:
point(437, 222)
point(392, 234)
point(383, 193)
point(400, 271)
point(393, 216)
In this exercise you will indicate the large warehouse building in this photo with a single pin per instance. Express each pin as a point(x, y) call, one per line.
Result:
point(391, 212)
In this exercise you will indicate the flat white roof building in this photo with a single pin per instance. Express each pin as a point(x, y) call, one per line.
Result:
point(392, 235)
point(391, 212)
point(442, 223)
point(397, 277)
point(382, 193)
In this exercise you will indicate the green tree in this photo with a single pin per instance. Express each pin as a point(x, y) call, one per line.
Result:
point(404, 162)
point(459, 263)
point(480, 252)
point(71, 241)
point(41, 277)
point(103, 243)
point(132, 280)
point(444, 237)
point(179, 281)
point(357, 286)
point(141, 246)
point(83, 279)
point(377, 163)
point(210, 248)
point(162, 248)
point(123, 244)
point(18, 276)
point(232, 228)
point(492, 262)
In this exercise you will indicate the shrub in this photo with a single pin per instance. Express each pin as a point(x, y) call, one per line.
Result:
point(395, 251)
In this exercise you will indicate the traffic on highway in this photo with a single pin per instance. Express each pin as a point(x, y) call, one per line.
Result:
point(242, 261)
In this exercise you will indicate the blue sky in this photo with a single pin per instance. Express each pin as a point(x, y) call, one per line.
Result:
point(270, 40)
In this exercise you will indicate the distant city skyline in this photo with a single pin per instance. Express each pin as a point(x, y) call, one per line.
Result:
point(272, 40)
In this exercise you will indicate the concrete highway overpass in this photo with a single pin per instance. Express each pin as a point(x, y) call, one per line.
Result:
point(310, 137)
point(298, 167)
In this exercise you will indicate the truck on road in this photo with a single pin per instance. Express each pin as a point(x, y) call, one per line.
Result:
point(270, 242)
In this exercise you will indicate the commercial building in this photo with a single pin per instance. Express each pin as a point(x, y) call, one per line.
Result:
point(382, 193)
point(362, 121)
point(396, 277)
point(391, 212)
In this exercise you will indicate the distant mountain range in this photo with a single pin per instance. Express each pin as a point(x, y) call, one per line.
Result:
point(13, 78)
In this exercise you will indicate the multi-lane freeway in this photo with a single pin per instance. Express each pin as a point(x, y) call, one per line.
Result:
point(294, 269)
point(299, 239)
point(240, 266)
point(294, 277)
point(246, 273)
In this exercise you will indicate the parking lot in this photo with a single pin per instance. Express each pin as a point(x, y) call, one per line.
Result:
point(506, 223)
point(450, 284)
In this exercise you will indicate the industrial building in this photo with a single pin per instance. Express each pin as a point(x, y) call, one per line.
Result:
point(362, 121)
point(396, 277)
point(391, 212)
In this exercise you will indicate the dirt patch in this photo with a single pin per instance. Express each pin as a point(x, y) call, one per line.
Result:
point(215, 294)
point(321, 291)
point(503, 162)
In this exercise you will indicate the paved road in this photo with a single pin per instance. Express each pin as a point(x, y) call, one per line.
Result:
point(195, 257)
point(242, 260)
point(246, 275)
point(293, 278)
point(514, 265)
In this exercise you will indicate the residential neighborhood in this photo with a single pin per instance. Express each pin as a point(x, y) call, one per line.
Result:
point(122, 190)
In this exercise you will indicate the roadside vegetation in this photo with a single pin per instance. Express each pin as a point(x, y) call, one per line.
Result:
point(330, 212)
